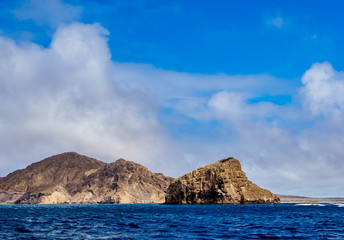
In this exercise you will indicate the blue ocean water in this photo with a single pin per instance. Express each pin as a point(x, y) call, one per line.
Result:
point(154, 221)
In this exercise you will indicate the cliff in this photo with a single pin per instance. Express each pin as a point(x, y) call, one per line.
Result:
point(222, 182)
point(74, 178)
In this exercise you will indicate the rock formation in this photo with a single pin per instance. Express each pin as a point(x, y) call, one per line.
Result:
point(222, 182)
point(74, 178)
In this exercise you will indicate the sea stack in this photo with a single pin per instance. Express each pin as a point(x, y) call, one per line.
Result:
point(222, 182)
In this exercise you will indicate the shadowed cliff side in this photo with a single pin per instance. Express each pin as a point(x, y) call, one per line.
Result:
point(222, 182)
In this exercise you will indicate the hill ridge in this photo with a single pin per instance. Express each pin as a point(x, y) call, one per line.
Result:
point(74, 178)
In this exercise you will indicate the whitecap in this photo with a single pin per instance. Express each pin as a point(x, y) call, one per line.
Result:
point(310, 204)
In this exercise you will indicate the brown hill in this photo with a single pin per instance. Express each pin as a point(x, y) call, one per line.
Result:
point(222, 182)
point(124, 182)
point(74, 178)
point(62, 169)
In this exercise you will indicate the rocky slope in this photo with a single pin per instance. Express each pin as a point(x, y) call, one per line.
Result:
point(222, 182)
point(74, 178)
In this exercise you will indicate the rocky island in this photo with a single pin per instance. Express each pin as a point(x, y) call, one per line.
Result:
point(74, 178)
point(222, 182)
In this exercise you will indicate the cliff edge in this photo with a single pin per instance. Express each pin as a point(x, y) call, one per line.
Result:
point(222, 182)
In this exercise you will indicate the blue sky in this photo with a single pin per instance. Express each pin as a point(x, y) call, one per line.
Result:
point(176, 84)
point(232, 37)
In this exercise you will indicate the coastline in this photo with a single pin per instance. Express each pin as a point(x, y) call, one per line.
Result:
point(283, 198)
point(300, 199)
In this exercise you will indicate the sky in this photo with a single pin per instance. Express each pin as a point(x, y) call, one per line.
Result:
point(175, 85)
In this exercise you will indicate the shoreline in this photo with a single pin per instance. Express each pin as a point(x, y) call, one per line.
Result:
point(283, 198)
point(299, 199)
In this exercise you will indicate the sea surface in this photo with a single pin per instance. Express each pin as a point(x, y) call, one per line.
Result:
point(154, 221)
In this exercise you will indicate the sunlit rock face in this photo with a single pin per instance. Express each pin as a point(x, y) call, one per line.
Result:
point(222, 182)
point(74, 178)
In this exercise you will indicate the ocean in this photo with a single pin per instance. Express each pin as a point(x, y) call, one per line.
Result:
point(154, 221)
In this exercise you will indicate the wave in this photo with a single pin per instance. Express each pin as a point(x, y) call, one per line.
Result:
point(321, 204)
point(311, 204)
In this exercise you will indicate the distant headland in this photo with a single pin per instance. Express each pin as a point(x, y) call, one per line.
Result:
point(301, 199)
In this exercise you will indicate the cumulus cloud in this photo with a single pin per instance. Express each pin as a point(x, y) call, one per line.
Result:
point(50, 12)
point(323, 90)
point(67, 97)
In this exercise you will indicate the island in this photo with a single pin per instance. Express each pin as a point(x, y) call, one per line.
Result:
point(74, 178)
point(222, 182)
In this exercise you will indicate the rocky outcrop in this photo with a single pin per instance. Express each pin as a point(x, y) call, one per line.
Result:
point(222, 182)
point(74, 178)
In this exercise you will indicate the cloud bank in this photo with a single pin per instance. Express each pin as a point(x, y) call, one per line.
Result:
point(67, 97)
point(72, 97)
point(298, 145)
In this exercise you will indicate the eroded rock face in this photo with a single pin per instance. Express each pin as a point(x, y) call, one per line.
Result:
point(222, 182)
point(74, 178)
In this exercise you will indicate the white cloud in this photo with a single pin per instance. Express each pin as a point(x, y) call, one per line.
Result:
point(300, 160)
point(323, 90)
point(228, 104)
point(286, 148)
point(51, 12)
point(234, 106)
point(72, 97)
point(66, 98)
